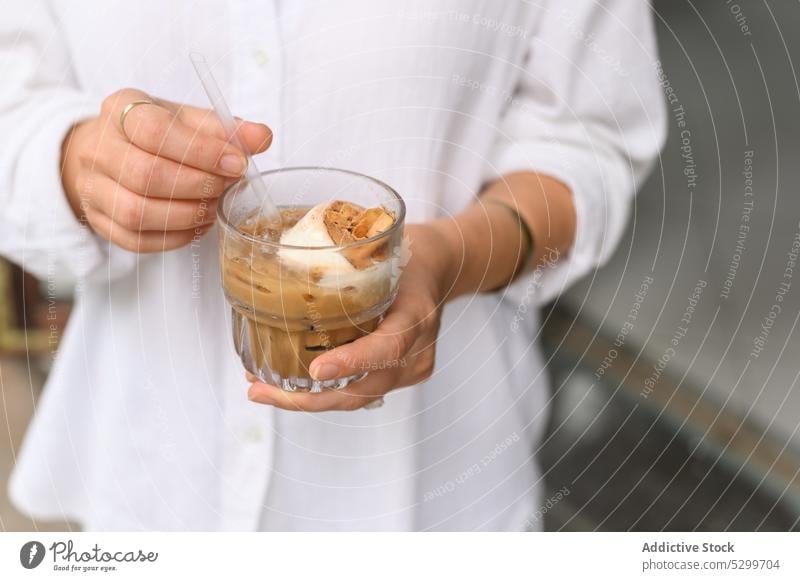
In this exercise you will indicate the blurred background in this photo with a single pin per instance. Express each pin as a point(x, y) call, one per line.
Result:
point(676, 409)
point(675, 367)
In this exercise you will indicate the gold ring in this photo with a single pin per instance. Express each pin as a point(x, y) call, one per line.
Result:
point(128, 108)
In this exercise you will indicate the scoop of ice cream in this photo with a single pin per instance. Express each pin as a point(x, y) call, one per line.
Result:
point(310, 230)
point(336, 223)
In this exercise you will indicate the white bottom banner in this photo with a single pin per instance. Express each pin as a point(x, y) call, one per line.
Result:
point(401, 556)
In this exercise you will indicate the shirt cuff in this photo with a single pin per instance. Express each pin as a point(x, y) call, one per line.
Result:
point(601, 189)
point(45, 236)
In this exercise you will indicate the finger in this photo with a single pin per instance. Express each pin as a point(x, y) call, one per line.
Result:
point(142, 242)
point(151, 175)
point(159, 131)
point(135, 212)
point(384, 347)
point(254, 137)
point(353, 397)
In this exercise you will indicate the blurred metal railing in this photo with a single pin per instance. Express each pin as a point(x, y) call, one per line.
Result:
point(699, 450)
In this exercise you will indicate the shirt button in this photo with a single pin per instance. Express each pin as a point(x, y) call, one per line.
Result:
point(253, 435)
point(260, 57)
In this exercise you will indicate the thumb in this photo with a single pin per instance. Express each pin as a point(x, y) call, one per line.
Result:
point(390, 342)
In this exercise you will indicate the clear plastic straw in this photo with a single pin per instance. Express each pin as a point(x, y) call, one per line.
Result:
point(222, 110)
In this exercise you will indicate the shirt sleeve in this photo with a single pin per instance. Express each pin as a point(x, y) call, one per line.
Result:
point(40, 101)
point(587, 111)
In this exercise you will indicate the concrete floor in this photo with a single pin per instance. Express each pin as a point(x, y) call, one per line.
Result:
point(674, 462)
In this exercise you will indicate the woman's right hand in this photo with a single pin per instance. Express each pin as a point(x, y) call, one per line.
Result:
point(154, 186)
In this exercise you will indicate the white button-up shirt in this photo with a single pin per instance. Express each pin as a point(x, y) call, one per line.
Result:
point(144, 422)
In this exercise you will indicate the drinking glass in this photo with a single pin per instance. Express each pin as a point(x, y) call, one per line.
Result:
point(288, 305)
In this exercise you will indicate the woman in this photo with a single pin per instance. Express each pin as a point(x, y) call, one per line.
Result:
point(551, 114)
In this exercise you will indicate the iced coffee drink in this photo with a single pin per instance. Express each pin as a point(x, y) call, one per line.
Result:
point(320, 277)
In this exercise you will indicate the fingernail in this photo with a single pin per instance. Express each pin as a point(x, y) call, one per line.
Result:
point(325, 371)
point(234, 164)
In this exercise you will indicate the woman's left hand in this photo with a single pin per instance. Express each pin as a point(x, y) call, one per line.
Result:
point(399, 353)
